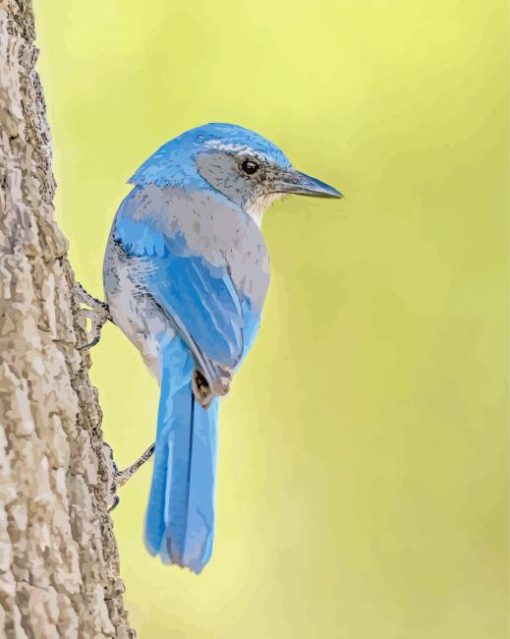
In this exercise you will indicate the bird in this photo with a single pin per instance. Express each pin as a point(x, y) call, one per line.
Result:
point(185, 274)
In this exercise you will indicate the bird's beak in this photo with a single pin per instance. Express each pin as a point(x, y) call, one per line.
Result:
point(299, 183)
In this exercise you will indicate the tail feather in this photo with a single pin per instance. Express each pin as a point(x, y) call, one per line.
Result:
point(180, 516)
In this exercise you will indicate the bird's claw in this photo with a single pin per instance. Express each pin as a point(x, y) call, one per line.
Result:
point(117, 478)
point(98, 313)
point(112, 500)
point(116, 502)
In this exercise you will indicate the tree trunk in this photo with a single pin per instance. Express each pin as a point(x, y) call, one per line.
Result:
point(58, 556)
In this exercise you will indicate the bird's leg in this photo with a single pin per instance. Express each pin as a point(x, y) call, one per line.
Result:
point(127, 473)
point(116, 477)
point(98, 313)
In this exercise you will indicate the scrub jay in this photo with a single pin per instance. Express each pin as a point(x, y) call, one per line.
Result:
point(185, 274)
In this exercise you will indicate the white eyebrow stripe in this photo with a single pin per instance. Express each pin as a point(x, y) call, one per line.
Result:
point(233, 148)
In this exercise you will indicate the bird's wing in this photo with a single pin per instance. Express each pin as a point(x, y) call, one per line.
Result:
point(198, 297)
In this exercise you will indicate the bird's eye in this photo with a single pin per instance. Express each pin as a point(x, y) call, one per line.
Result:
point(249, 167)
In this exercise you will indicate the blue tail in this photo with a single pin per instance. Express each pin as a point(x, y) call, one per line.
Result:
point(180, 517)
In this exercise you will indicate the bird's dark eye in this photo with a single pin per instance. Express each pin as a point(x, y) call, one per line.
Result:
point(249, 167)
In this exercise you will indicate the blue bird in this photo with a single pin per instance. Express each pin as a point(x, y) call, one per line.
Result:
point(185, 274)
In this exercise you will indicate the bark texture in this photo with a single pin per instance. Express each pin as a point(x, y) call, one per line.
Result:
point(58, 556)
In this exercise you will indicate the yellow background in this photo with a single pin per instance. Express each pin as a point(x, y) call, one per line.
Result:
point(362, 473)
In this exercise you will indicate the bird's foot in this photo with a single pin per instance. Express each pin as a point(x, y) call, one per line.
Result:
point(116, 477)
point(204, 392)
point(98, 313)
point(222, 385)
point(201, 389)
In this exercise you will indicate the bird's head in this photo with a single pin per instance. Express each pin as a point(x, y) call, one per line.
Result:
point(242, 165)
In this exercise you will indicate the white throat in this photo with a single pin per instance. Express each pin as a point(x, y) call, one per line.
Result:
point(258, 206)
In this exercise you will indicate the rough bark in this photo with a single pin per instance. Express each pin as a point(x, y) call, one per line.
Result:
point(58, 556)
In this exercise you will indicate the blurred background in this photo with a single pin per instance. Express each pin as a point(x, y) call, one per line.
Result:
point(362, 488)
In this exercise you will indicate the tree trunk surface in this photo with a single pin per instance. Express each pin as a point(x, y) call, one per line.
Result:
point(58, 557)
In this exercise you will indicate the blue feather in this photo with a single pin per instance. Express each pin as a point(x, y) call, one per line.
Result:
point(180, 516)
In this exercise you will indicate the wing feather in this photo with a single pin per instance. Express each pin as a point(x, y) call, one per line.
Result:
point(199, 297)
